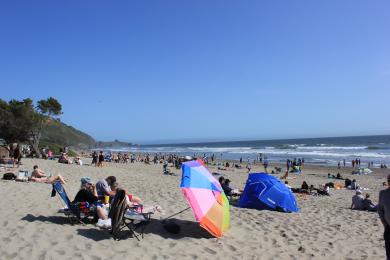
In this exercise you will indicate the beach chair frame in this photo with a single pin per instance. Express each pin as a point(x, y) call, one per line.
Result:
point(120, 220)
point(69, 209)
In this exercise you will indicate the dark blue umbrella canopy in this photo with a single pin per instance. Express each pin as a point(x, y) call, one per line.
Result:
point(263, 191)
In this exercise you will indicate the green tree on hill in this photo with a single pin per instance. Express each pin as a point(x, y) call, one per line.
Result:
point(20, 121)
point(49, 107)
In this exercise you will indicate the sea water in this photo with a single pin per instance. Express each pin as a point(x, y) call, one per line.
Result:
point(323, 151)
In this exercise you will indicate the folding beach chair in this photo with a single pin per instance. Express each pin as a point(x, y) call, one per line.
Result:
point(76, 212)
point(124, 217)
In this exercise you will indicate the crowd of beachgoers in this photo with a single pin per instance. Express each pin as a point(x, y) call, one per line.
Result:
point(336, 179)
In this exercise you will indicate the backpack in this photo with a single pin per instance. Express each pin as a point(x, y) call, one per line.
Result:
point(9, 176)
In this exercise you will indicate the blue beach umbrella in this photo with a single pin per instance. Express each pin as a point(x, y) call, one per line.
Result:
point(263, 191)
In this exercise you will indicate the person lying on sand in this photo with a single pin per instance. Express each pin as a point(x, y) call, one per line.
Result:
point(39, 176)
point(338, 176)
point(305, 189)
point(323, 190)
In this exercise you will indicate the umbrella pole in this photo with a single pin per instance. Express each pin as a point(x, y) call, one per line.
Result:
point(177, 213)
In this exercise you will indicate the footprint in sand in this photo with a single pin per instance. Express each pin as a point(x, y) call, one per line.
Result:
point(61, 252)
point(210, 251)
point(6, 239)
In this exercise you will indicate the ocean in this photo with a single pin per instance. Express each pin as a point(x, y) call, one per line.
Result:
point(321, 151)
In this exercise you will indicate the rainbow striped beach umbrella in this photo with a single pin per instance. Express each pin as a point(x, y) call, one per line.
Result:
point(206, 198)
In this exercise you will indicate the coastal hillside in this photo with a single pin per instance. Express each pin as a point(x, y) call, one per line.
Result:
point(60, 134)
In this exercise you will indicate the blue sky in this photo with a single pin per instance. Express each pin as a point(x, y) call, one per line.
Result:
point(147, 71)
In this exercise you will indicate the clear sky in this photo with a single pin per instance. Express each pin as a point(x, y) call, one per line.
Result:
point(146, 71)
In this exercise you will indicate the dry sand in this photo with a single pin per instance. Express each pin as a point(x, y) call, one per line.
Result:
point(325, 228)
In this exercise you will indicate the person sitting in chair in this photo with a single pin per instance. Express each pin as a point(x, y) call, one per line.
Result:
point(88, 193)
point(39, 176)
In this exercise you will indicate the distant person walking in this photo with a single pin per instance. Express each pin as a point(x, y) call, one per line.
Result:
point(265, 164)
point(384, 214)
point(344, 162)
point(101, 159)
point(288, 165)
point(17, 156)
point(94, 158)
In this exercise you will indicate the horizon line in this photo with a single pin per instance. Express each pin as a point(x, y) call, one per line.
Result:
point(250, 139)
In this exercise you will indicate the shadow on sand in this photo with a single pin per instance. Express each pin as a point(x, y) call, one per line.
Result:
point(94, 234)
point(188, 229)
point(52, 219)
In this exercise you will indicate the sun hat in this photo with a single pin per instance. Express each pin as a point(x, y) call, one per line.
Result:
point(86, 180)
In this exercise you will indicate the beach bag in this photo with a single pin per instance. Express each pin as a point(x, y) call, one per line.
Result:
point(9, 176)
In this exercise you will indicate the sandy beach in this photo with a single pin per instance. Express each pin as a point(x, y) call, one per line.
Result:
point(325, 227)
